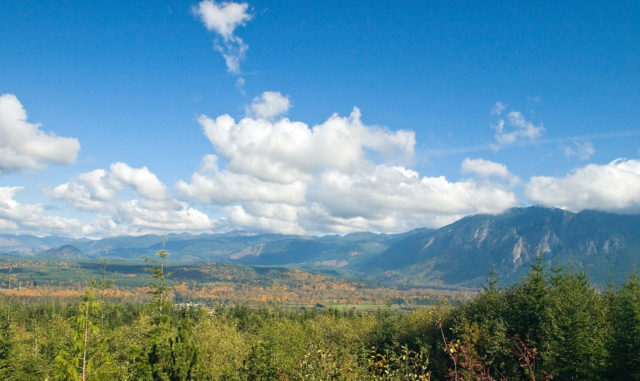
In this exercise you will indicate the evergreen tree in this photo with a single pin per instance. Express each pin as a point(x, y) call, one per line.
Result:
point(526, 304)
point(574, 329)
point(171, 354)
point(89, 358)
point(624, 318)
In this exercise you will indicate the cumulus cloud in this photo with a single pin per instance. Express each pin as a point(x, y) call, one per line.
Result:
point(145, 183)
point(485, 168)
point(338, 176)
point(273, 174)
point(270, 173)
point(280, 218)
point(92, 189)
point(24, 145)
point(269, 105)
point(19, 217)
point(581, 150)
point(286, 151)
point(223, 19)
point(222, 187)
point(150, 210)
point(513, 127)
point(612, 187)
point(396, 198)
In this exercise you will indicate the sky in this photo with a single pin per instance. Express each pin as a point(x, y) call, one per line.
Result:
point(128, 118)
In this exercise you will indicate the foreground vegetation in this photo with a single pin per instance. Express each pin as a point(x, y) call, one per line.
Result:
point(553, 324)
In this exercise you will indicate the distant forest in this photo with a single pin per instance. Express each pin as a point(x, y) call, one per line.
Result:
point(553, 324)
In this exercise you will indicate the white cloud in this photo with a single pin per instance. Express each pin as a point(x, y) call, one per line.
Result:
point(265, 217)
point(150, 210)
point(513, 128)
point(287, 151)
point(270, 173)
point(93, 189)
point(269, 105)
point(612, 187)
point(399, 196)
point(487, 169)
point(338, 176)
point(273, 175)
point(222, 187)
point(581, 150)
point(24, 145)
point(142, 180)
point(21, 217)
point(223, 18)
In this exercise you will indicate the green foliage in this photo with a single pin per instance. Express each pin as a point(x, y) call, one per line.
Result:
point(159, 277)
point(624, 317)
point(222, 349)
point(88, 358)
point(550, 324)
point(526, 304)
point(574, 328)
point(398, 364)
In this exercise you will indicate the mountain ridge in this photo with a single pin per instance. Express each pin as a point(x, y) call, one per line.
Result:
point(605, 245)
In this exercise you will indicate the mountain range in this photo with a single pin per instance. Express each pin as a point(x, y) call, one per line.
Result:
point(605, 245)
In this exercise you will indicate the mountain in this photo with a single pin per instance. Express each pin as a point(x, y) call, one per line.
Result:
point(606, 246)
point(29, 244)
point(64, 252)
point(323, 253)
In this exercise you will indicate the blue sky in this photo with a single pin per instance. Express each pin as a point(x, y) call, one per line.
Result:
point(462, 108)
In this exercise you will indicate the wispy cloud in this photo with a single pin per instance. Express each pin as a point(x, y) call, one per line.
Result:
point(498, 108)
point(581, 150)
point(223, 19)
point(513, 127)
point(514, 130)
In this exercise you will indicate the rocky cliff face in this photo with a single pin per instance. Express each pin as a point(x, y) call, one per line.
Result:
point(604, 245)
